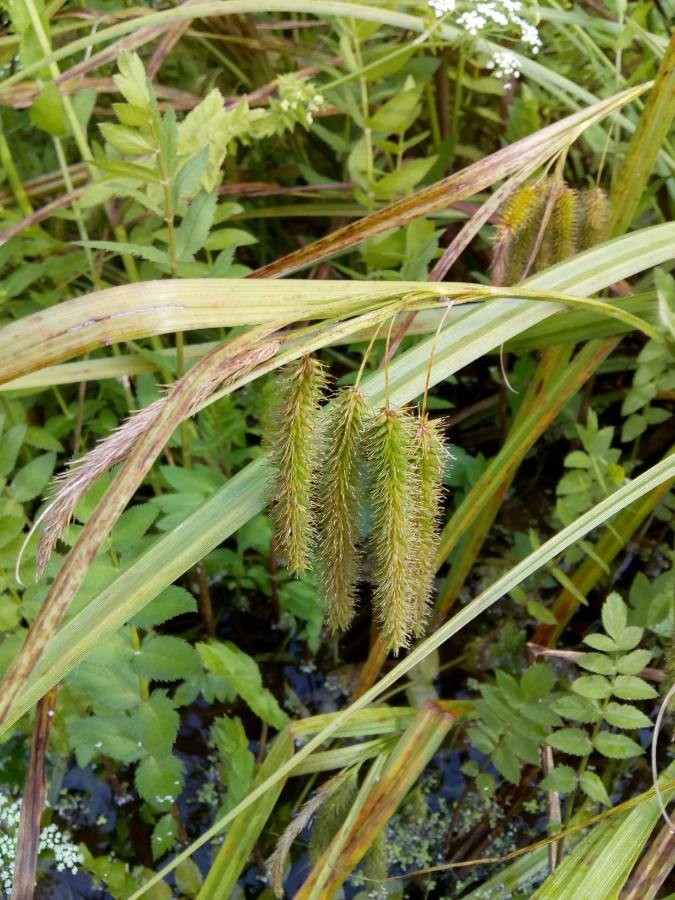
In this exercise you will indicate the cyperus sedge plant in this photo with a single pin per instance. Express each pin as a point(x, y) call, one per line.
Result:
point(394, 489)
point(338, 505)
point(430, 457)
point(294, 449)
point(576, 221)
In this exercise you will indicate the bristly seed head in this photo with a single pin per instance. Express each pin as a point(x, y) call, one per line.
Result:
point(338, 506)
point(389, 450)
point(430, 457)
point(294, 449)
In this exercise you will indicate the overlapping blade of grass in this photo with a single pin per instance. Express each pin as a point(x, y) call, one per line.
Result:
point(241, 838)
point(577, 325)
point(161, 307)
point(651, 133)
point(601, 863)
point(481, 331)
point(404, 766)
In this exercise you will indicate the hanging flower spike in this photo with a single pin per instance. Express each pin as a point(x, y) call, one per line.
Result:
point(390, 459)
point(431, 456)
point(338, 506)
point(294, 449)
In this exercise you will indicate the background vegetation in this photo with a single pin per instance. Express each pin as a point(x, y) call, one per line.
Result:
point(474, 201)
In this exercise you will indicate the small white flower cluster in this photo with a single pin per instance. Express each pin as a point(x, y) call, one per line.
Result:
point(298, 99)
point(66, 855)
point(481, 16)
point(505, 65)
point(442, 7)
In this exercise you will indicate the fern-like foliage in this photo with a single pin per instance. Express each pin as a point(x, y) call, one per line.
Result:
point(390, 449)
point(294, 446)
point(338, 506)
point(431, 456)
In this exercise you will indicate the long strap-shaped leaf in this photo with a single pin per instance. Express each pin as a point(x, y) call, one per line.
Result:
point(246, 494)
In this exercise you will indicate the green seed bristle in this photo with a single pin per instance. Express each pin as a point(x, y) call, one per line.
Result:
point(430, 459)
point(338, 506)
point(294, 449)
point(517, 231)
point(331, 816)
point(566, 222)
point(595, 217)
point(390, 456)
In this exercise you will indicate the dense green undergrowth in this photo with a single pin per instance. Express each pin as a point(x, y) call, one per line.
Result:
point(355, 583)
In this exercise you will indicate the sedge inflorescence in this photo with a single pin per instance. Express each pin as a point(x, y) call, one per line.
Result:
point(543, 223)
point(332, 462)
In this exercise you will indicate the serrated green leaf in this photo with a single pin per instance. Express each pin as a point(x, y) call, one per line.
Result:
point(166, 658)
point(631, 637)
point(237, 760)
point(578, 708)
point(242, 671)
point(132, 525)
point(188, 878)
point(601, 642)
point(537, 681)
point(594, 687)
point(614, 616)
point(225, 238)
point(194, 229)
point(577, 459)
point(596, 662)
point(633, 427)
point(562, 779)
point(506, 763)
point(623, 715)
point(541, 713)
point(30, 481)
point(48, 112)
point(574, 741)
point(482, 739)
point(591, 784)
point(633, 663)
point(540, 612)
point(152, 254)
point(164, 835)
point(126, 140)
point(404, 179)
point(159, 781)
point(10, 444)
point(111, 735)
point(132, 81)
point(524, 747)
point(173, 601)
point(116, 687)
point(42, 439)
point(155, 723)
point(188, 179)
point(630, 687)
point(616, 746)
